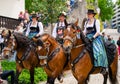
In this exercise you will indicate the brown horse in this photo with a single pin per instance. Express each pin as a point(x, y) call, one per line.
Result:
point(56, 60)
point(80, 59)
point(23, 46)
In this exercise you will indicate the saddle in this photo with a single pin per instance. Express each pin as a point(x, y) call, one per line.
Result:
point(111, 49)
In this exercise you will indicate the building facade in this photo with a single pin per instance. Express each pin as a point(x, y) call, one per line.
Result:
point(11, 8)
point(116, 17)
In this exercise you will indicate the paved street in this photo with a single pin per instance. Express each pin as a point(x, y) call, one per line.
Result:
point(94, 79)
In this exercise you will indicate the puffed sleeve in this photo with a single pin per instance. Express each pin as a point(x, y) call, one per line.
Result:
point(28, 29)
point(40, 28)
point(54, 33)
point(97, 26)
point(84, 31)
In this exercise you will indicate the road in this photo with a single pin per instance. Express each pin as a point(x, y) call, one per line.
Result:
point(94, 79)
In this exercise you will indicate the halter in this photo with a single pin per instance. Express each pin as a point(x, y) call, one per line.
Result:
point(13, 44)
point(73, 39)
point(49, 55)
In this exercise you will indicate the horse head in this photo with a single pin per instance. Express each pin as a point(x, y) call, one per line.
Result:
point(10, 44)
point(70, 36)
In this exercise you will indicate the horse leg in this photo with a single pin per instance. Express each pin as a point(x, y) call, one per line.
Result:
point(18, 72)
point(50, 80)
point(112, 76)
point(32, 75)
point(60, 78)
point(113, 71)
point(105, 77)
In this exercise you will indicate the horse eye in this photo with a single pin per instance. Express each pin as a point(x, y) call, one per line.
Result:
point(74, 32)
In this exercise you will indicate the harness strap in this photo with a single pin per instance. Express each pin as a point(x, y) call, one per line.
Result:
point(50, 57)
point(78, 58)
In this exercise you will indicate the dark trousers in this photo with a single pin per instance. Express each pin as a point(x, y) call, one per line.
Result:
point(6, 74)
point(1, 46)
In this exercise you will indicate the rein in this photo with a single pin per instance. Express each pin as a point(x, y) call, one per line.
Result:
point(79, 46)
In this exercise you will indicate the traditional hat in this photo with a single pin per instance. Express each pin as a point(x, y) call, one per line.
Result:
point(91, 11)
point(62, 14)
point(34, 16)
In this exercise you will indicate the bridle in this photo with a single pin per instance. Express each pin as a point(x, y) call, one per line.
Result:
point(12, 45)
point(67, 37)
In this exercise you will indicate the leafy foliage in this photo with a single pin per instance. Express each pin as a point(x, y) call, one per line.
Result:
point(106, 7)
point(48, 8)
point(24, 77)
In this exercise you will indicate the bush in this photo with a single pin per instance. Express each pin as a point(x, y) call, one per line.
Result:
point(24, 77)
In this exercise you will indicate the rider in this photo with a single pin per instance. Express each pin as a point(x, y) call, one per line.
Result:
point(92, 31)
point(59, 28)
point(34, 28)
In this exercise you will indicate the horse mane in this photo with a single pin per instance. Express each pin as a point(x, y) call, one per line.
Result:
point(51, 37)
point(22, 40)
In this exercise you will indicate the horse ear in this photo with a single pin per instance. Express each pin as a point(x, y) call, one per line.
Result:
point(76, 23)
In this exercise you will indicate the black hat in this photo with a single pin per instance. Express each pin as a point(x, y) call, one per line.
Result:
point(34, 16)
point(91, 11)
point(62, 14)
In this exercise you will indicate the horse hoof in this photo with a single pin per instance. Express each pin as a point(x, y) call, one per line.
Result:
point(61, 80)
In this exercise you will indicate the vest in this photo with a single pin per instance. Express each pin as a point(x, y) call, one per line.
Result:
point(60, 30)
point(91, 29)
point(34, 29)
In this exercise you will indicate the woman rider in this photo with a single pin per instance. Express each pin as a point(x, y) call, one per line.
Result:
point(34, 28)
point(92, 31)
point(59, 28)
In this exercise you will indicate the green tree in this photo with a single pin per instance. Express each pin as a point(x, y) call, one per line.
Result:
point(50, 9)
point(106, 7)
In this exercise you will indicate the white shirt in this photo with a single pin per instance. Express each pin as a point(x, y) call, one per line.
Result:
point(54, 33)
point(97, 24)
point(1, 39)
point(19, 31)
point(41, 31)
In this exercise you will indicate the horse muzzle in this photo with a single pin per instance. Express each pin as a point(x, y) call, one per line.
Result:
point(67, 49)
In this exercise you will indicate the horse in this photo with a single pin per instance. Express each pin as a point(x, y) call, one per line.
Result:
point(80, 60)
point(56, 59)
point(21, 44)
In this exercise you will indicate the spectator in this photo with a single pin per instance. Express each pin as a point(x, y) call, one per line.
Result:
point(19, 29)
point(112, 40)
point(5, 74)
point(104, 36)
point(118, 43)
point(2, 40)
point(21, 16)
point(26, 16)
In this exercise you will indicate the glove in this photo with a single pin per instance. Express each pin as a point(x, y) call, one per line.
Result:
point(91, 40)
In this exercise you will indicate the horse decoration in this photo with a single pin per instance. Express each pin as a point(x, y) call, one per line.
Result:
point(56, 60)
point(22, 45)
point(80, 59)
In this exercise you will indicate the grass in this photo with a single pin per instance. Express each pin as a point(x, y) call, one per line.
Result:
point(24, 77)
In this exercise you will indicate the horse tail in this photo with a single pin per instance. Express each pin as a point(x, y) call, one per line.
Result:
point(113, 70)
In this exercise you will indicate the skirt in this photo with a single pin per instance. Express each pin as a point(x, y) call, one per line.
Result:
point(100, 56)
point(32, 34)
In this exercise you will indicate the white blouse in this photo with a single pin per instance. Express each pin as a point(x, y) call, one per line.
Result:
point(1, 39)
point(40, 28)
point(54, 33)
point(97, 24)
